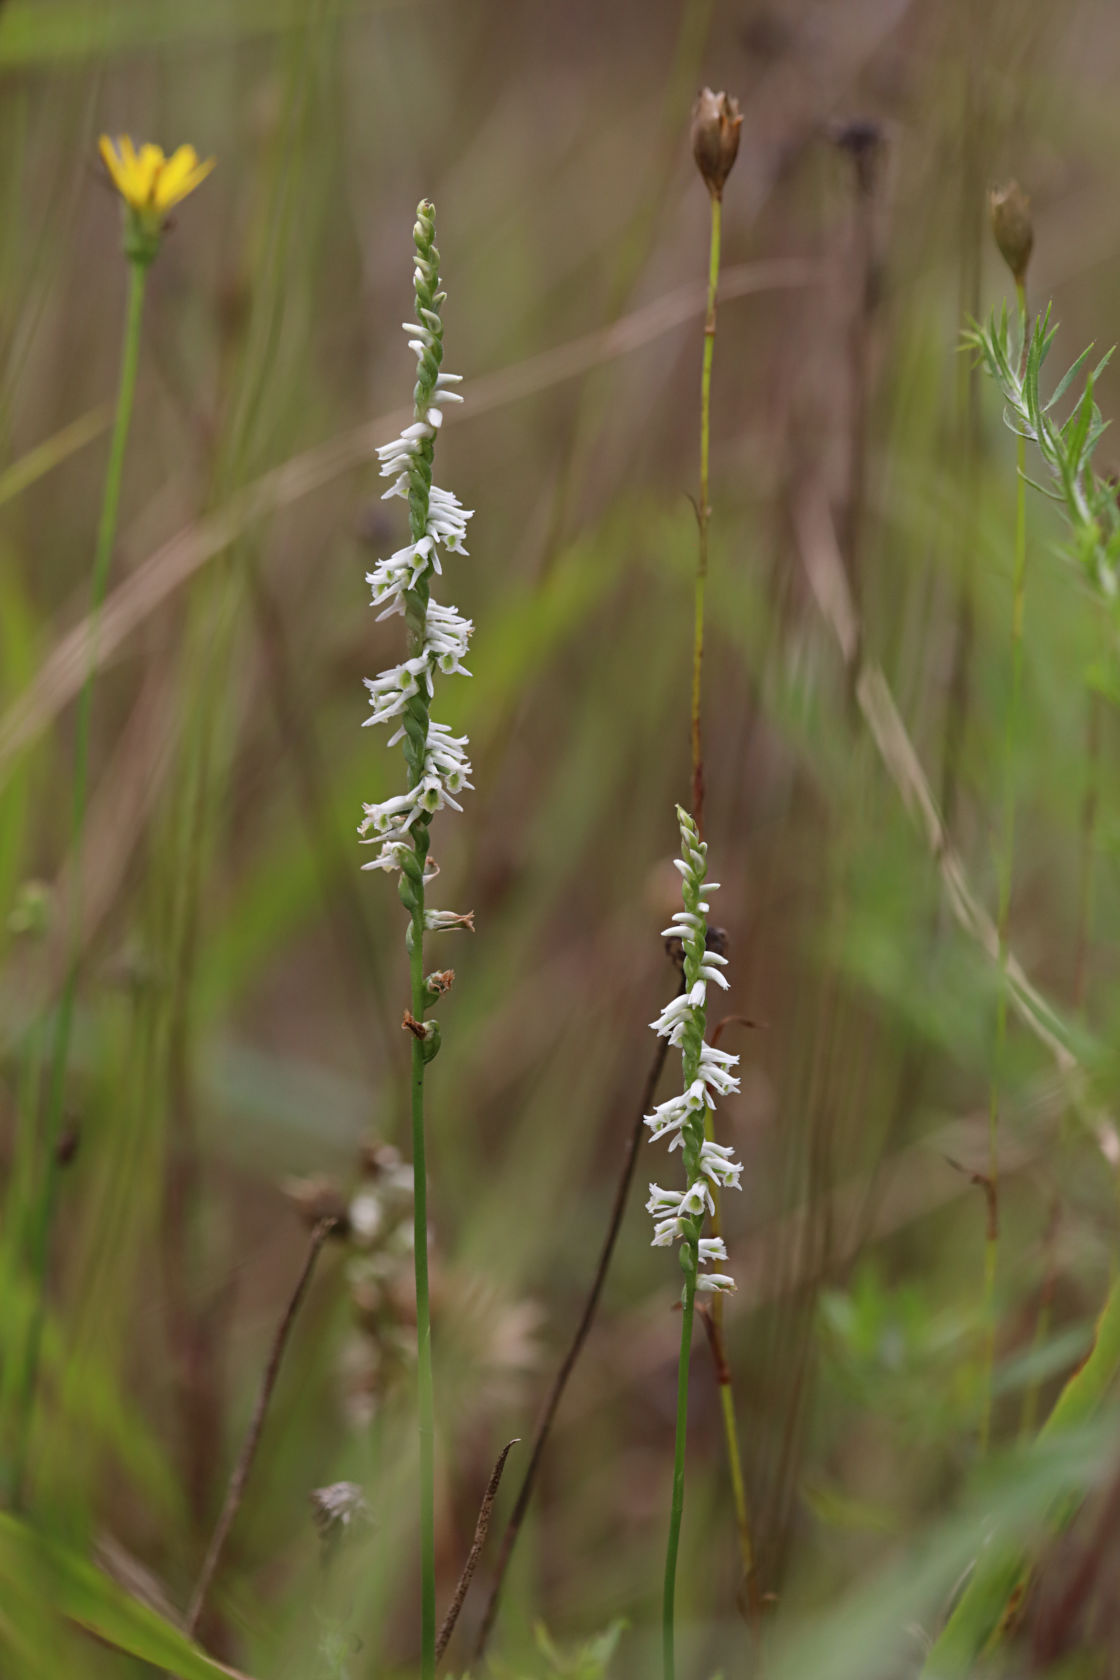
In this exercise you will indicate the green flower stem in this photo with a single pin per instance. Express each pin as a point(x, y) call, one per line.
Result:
point(703, 513)
point(669, 1600)
point(1006, 876)
point(424, 1384)
point(703, 516)
point(103, 554)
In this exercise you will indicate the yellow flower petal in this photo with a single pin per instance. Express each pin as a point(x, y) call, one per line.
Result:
point(193, 180)
point(179, 168)
point(149, 168)
point(113, 163)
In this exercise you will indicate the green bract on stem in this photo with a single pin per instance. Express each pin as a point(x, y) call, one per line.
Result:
point(438, 769)
point(679, 1215)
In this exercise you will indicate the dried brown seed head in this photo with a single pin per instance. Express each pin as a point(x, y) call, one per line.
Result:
point(1009, 209)
point(317, 1198)
point(716, 121)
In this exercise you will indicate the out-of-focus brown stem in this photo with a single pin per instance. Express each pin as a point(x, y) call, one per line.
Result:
point(567, 1364)
point(481, 1529)
point(968, 419)
point(863, 143)
point(240, 1476)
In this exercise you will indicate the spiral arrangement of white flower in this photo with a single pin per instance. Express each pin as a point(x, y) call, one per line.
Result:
point(679, 1214)
point(437, 760)
point(438, 770)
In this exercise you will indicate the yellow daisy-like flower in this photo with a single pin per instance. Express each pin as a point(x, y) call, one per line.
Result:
point(149, 181)
point(150, 185)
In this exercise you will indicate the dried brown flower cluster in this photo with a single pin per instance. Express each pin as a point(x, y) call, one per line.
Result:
point(716, 121)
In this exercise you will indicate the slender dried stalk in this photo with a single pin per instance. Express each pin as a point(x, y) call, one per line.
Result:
point(575, 1347)
point(481, 1529)
point(240, 1475)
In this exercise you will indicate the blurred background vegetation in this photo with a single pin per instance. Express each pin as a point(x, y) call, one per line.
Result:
point(237, 1037)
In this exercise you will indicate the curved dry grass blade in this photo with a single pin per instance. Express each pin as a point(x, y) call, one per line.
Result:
point(825, 569)
point(41, 460)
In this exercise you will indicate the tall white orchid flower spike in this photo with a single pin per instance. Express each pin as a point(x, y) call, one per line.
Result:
point(679, 1215)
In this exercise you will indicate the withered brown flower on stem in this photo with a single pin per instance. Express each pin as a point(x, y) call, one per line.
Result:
point(716, 121)
point(1009, 210)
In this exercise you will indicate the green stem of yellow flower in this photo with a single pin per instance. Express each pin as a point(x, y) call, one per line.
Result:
point(1006, 874)
point(103, 554)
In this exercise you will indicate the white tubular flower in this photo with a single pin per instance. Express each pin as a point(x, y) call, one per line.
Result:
point(391, 578)
point(662, 1202)
point(674, 1014)
point(697, 1199)
point(686, 922)
point(708, 971)
point(717, 1162)
point(446, 759)
point(715, 1070)
point(668, 1231)
point(389, 857)
point(447, 634)
point(390, 815)
point(679, 1214)
point(438, 766)
point(447, 520)
point(669, 1118)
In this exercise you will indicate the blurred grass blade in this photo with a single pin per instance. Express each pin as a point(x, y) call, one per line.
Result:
point(41, 460)
point(31, 33)
point(981, 1615)
point(30, 1563)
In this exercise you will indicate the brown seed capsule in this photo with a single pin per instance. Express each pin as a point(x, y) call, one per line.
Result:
point(1009, 209)
point(716, 122)
point(317, 1198)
